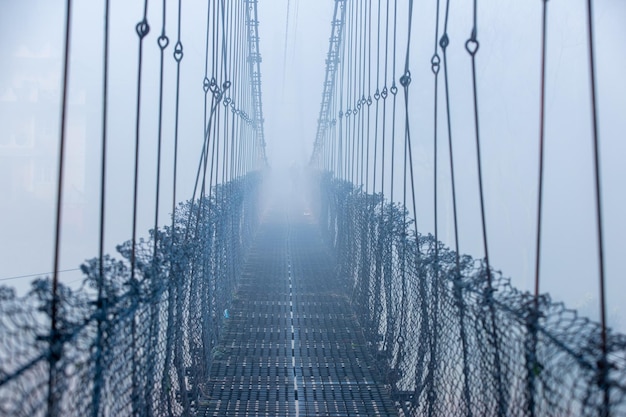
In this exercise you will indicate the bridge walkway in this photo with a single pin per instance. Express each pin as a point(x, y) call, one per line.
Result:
point(291, 345)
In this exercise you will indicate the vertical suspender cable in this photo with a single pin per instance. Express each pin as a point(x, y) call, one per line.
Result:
point(369, 97)
point(101, 301)
point(142, 29)
point(163, 42)
point(349, 137)
point(178, 56)
point(603, 364)
point(405, 81)
point(232, 52)
point(435, 62)
point(394, 92)
point(103, 167)
point(285, 50)
point(534, 313)
point(340, 162)
point(175, 281)
point(357, 95)
point(444, 42)
point(361, 96)
point(383, 94)
point(471, 45)
point(217, 75)
point(541, 146)
point(55, 337)
point(377, 98)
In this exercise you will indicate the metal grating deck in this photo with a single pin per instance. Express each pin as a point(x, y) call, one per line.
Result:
point(291, 345)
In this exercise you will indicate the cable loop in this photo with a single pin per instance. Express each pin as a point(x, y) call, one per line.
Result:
point(384, 93)
point(163, 41)
point(206, 84)
point(377, 95)
point(471, 46)
point(394, 89)
point(348, 112)
point(212, 86)
point(369, 101)
point(340, 114)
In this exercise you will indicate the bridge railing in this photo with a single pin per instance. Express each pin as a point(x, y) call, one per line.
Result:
point(131, 344)
point(449, 343)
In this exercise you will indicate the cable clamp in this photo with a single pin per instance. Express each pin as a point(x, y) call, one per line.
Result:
point(142, 28)
point(178, 51)
point(405, 80)
point(435, 63)
point(444, 42)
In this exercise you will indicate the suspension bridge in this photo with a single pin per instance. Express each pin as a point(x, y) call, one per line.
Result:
point(317, 293)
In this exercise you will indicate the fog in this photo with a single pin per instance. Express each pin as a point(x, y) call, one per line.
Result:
point(508, 65)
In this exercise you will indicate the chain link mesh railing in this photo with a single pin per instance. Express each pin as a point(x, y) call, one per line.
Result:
point(446, 344)
point(141, 346)
point(451, 345)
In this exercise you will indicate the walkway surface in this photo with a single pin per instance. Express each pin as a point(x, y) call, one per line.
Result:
point(292, 346)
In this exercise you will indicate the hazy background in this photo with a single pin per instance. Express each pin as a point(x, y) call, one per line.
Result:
point(31, 33)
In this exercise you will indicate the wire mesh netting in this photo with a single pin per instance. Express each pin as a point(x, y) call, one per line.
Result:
point(451, 344)
point(131, 344)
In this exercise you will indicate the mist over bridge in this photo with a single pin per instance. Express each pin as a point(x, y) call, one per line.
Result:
point(307, 291)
